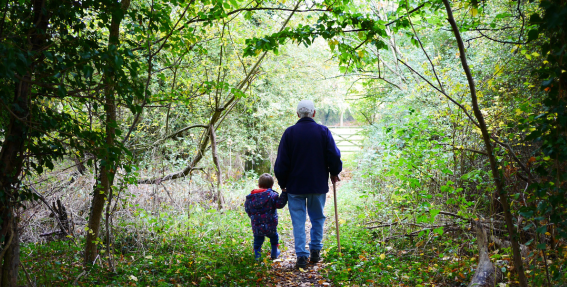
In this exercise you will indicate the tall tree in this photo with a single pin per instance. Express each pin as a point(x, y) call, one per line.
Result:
point(12, 153)
point(110, 152)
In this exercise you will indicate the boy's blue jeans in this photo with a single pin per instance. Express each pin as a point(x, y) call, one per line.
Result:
point(314, 202)
point(259, 240)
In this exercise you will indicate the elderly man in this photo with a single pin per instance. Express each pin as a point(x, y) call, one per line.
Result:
point(306, 156)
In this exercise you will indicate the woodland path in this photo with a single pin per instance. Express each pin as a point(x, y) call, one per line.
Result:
point(283, 272)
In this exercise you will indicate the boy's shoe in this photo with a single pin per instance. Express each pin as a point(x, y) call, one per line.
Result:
point(301, 262)
point(315, 256)
point(275, 252)
point(257, 254)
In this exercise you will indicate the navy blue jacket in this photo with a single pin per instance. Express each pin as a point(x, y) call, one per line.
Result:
point(261, 205)
point(306, 155)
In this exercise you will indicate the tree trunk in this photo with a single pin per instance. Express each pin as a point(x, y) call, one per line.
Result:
point(108, 169)
point(485, 274)
point(489, 150)
point(11, 260)
point(12, 155)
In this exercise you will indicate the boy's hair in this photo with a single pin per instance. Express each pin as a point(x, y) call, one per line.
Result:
point(265, 181)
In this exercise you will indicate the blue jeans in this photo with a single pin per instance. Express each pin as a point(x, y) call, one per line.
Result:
point(314, 202)
point(259, 240)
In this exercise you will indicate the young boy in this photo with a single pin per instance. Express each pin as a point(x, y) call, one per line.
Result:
point(261, 205)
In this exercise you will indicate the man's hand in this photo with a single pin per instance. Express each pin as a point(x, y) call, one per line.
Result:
point(335, 178)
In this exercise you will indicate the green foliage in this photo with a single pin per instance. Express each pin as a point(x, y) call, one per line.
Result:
point(427, 258)
point(211, 249)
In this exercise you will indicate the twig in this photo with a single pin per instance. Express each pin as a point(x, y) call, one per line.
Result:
point(167, 191)
point(464, 148)
point(27, 274)
point(453, 215)
point(423, 49)
point(172, 135)
point(79, 277)
point(516, 159)
point(443, 93)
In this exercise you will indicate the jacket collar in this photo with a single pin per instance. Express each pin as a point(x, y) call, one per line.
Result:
point(306, 120)
point(259, 190)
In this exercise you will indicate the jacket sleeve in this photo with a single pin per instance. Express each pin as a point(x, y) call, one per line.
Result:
point(281, 200)
point(247, 206)
point(282, 166)
point(333, 155)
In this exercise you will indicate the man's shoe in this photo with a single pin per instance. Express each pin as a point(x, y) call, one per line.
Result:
point(315, 256)
point(301, 262)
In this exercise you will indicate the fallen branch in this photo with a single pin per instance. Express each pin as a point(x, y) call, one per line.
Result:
point(383, 225)
point(501, 243)
point(63, 229)
point(447, 227)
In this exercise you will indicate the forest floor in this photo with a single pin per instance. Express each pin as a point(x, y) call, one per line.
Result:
point(160, 245)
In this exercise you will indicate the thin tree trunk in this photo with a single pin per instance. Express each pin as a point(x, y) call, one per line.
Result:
point(217, 165)
point(518, 264)
point(108, 169)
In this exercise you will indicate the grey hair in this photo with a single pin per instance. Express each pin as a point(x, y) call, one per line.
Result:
point(305, 109)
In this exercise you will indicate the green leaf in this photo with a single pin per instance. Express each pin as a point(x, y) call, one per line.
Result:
point(434, 212)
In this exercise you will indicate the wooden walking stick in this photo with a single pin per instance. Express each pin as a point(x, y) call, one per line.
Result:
point(337, 218)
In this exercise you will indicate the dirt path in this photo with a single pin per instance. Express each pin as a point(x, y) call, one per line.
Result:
point(283, 271)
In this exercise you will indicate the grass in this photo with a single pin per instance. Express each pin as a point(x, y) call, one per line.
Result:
point(157, 249)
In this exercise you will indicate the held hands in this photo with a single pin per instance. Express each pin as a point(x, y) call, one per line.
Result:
point(335, 178)
point(283, 190)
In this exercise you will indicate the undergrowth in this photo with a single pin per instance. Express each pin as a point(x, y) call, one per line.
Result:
point(428, 259)
point(166, 248)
